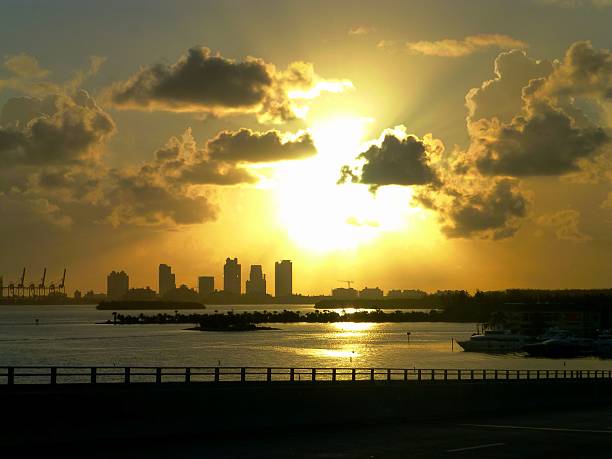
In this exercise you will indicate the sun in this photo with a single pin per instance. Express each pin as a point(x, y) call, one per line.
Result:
point(321, 215)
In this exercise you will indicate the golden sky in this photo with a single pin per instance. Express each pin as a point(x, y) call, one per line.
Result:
point(432, 145)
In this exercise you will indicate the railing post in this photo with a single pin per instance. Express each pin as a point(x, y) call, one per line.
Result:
point(471, 375)
point(388, 374)
point(314, 374)
point(484, 374)
point(353, 375)
point(507, 374)
point(459, 375)
point(372, 374)
point(216, 374)
point(269, 375)
point(538, 374)
point(495, 375)
point(243, 374)
point(10, 376)
point(53, 375)
point(93, 375)
point(547, 374)
point(433, 374)
point(187, 375)
point(405, 375)
point(333, 374)
point(445, 375)
point(528, 374)
point(419, 374)
point(126, 375)
point(291, 374)
point(158, 375)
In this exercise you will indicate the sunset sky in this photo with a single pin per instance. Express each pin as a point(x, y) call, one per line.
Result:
point(415, 144)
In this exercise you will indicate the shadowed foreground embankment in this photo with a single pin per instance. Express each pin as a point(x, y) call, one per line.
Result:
point(68, 413)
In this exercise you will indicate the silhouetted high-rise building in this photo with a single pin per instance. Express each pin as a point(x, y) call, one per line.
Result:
point(167, 280)
point(206, 285)
point(117, 285)
point(256, 285)
point(232, 276)
point(371, 293)
point(283, 278)
point(344, 293)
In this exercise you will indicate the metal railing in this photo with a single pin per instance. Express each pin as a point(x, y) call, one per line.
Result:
point(95, 375)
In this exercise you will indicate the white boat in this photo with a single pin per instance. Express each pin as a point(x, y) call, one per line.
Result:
point(494, 341)
point(602, 346)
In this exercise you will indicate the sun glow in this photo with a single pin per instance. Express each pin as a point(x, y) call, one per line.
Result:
point(321, 215)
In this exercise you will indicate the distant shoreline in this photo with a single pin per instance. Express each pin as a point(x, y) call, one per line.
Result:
point(148, 305)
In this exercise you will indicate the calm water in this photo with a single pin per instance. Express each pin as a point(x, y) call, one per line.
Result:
point(69, 335)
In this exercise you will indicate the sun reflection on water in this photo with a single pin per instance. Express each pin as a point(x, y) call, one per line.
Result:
point(354, 326)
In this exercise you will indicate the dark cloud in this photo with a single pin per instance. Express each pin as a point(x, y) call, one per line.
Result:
point(246, 145)
point(552, 134)
point(546, 142)
point(396, 161)
point(140, 199)
point(488, 210)
point(182, 161)
point(57, 129)
point(198, 79)
point(201, 81)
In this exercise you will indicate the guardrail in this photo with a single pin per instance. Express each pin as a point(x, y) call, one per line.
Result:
point(94, 375)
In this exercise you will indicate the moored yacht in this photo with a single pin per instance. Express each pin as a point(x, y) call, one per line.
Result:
point(561, 347)
point(498, 340)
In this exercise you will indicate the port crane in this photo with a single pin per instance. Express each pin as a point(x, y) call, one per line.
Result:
point(33, 289)
point(60, 287)
point(41, 286)
point(20, 286)
point(348, 282)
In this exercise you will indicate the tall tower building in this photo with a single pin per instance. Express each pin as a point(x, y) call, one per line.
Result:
point(232, 276)
point(117, 285)
point(283, 278)
point(206, 285)
point(167, 279)
point(256, 285)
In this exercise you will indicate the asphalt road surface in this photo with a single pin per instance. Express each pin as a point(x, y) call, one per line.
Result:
point(575, 434)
